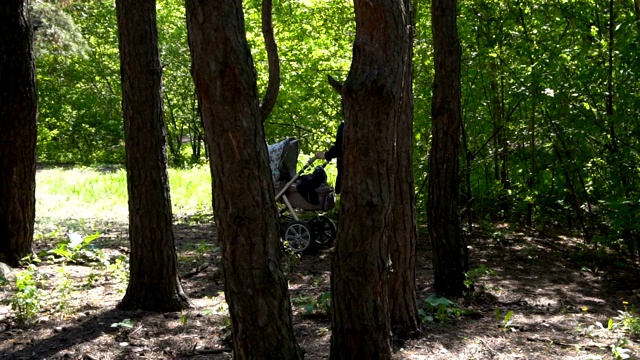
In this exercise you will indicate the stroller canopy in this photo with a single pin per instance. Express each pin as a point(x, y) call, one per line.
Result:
point(283, 159)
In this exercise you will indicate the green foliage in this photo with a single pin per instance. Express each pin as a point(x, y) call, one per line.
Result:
point(124, 324)
point(27, 299)
point(551, 135)
point(439, 309)
point(472, 276)
point(64, 289)
point(628, 321)
point(119, 271)
point(318, 305)
point(619, 351)
point(505, 322)
point(80, 119)
point(78, 249)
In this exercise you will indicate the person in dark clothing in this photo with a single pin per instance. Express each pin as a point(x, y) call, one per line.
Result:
point(335, 152)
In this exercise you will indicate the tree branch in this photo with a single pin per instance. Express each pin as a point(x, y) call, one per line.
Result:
point(270, 97)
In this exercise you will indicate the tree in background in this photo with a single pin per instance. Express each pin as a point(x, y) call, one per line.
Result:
point(244, 202)
point(374, 102)
point(403, 236)
point(450, 255)
point(18, 118)
point(153, 281)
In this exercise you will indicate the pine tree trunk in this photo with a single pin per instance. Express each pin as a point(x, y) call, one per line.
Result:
point(18, 132)
point(372, 95)
point(244, 202)
point(450, 255)
point(403, 305)
point(153, 283)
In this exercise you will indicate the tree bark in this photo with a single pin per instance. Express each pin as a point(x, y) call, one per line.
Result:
point(371, 95)
point(450, 254)
point(153, 283)
point(403, 304)
point(244, 202)
point(18, 132)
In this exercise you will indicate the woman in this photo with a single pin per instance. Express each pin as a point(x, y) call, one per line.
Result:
point(335, 152)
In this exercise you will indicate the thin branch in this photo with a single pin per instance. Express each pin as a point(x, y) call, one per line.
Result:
point(270, 97)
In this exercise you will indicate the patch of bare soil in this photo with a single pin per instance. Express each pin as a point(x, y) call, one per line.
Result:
point(557, 302)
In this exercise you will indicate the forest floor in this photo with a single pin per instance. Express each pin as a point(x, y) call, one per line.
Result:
point(541, 301)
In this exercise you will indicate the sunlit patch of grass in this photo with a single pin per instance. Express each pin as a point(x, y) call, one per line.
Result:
point(191, 190)
point(74, 198)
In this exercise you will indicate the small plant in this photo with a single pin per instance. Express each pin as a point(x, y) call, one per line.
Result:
point(619, 351)
point(126, 323)
point(3, 279)
point(119, 270)
point(472, 276)
point(505, 321)
point(321, 304)
point(628, 320)
point(226, 332)
point(204, 247)
point(76, 249)
point(26, 301)
point(64, 290)
point(290, 261)
point(184, 318)
point(439, 309)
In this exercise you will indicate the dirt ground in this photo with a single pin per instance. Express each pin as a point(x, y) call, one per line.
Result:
point(560, 303)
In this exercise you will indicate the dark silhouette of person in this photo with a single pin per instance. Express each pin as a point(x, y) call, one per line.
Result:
point(335, 152)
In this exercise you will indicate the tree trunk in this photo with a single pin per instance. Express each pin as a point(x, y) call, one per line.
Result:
point(372, 95)
point(403, 305)
point(153, 282)
point(450, 255)
point(18, 132)
point(244, 202)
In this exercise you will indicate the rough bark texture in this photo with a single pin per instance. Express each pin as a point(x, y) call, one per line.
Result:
point(450, 255)
point(255, 287)
point(403, 305)
point(153, 282)
point(18, 118)
point(360, 267)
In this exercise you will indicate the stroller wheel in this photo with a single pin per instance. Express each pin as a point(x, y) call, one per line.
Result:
point(297, 237)
point(324, 230)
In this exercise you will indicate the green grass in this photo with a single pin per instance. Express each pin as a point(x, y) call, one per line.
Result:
point(75, 196)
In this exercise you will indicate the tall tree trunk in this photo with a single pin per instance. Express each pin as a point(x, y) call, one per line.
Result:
point(403, 305)
point(244, 203)
point(450, 254)
point(18, 132)
point(153, 281)
point(372, 94)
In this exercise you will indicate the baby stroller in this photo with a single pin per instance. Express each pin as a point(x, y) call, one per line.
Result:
point(301, 195)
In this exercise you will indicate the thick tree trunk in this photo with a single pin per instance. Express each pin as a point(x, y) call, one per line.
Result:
point(18, 118)
point(403, 305)
point(371, 95)
point(244, 203)
point(450, 254)
point(153, 282)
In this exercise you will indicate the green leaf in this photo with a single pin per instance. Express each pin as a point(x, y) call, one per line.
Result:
point(126, 323)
